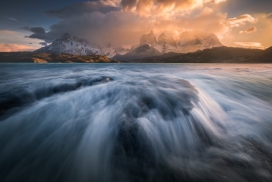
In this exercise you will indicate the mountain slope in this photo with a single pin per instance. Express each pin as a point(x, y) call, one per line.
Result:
point(214, 55)
point(264, 57)
point(70, 45)
point(148, 39)
point(111, 51)
point(32, 57)
point(73, 45)
point(188, 42)
point(138, 52)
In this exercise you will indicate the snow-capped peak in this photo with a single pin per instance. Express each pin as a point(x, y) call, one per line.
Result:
point(75, 45)
point(71, 45)
point(188, 42)
point(148, 39)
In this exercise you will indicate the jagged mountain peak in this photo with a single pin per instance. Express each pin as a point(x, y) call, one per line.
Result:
point(70, 45)
point(151, 33)
point(110, 50)
point(149, 45)
point(162, 39)
point(188, 42)
point(149, 39)
point(163, 35)
point(201, 40)
point(211, 40)
point(109, 45)
point(66, 36)
point(141, 51)
point(74, 45)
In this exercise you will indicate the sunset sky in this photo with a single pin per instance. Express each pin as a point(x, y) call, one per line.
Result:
point(28, 24)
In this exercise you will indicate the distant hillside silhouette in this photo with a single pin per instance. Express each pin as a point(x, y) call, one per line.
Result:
point(214, 55)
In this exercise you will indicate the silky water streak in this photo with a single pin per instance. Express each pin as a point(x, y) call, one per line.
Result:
point(135, 122)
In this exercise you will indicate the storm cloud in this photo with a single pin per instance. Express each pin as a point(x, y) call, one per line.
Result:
point(37, 33)
point(237, 7)
point(83, 8)
point(122, 22)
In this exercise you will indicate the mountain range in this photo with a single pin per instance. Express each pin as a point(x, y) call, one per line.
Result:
point(187, 42)
point(213, 55)
point(264, 56)
point(149, 46)
point(77, 46)
point(188, 48)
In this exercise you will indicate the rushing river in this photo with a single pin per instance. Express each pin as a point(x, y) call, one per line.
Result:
point(135, 122)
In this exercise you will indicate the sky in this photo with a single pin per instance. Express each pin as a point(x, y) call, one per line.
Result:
point(27, 25)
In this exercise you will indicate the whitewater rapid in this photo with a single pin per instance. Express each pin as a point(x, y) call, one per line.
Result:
point(135, 122)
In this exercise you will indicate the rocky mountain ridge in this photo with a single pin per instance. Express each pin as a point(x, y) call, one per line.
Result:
point(149, 46)
point(187, 42)
point(73, 45)
point(213, 55)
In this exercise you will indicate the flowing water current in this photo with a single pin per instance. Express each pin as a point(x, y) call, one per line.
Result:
point(135, 122)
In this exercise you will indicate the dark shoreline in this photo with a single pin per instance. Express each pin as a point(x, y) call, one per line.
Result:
point(214, 55)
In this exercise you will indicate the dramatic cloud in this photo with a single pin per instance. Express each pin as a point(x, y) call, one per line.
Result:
point(249, 30)
point(237, 21)
point(247, 6)
point(125, 26)
point(84, 7)
point(160, 7)
point(15, 48)
point(36, 30)
point(263, 34)
point(16, 38)
point(250, 44)
point(43, 43)
point(128, 4)
point(116, 27)
point(38, 33)
point(122, 22)
point(218, 1)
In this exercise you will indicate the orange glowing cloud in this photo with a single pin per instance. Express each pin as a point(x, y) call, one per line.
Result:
point(237, 21)
point(164, 7)
point(250, 30)
point(250, 44)
point(127, 20)
point(215, 1)
point(15, 48)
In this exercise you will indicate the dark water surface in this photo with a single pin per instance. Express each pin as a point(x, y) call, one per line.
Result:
point(135, 122)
